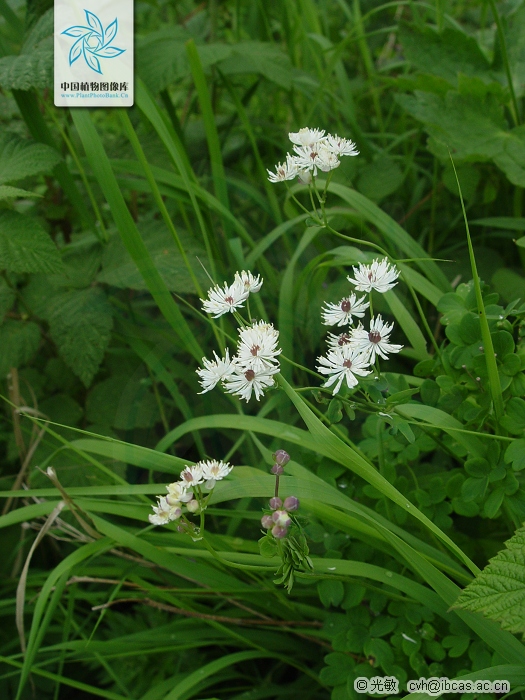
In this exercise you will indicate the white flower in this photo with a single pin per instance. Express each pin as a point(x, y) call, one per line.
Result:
point(380, 275)
point(250, 283)
point(341, 147)
point(306, 137)
point(220, 300)
point(214, 371)
point(244, 381)
point(327, 160)
point(284, 171)
point(257, 347)
point(336, 341)
point(340, 314)
point(192, 476)
point(178, 492)
point(309, 158)
point(374, 342)
point(213, 471)
point(343, 363)
point(164, 512)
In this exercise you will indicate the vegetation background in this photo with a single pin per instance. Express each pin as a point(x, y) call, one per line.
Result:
point(407, 488)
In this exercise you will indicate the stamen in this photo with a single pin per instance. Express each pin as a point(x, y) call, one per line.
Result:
point(347, 364)
point(374, 336)
point(345, 306)
point(255, 349)
point(250, 375)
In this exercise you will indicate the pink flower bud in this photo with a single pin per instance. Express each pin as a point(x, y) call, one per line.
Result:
point(267, 522)
point(281, 518)
point(277, 470)
point(291, 503)
point(281, 457)
point(279, 532)
point(276, 503)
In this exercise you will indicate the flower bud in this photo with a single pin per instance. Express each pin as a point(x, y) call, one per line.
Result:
point(193, 505)
point(291, 503)
point(277, 470)
point(276, 503)
point(281, 457)
point(267, 522)
point(281, 518)
point(279, 532)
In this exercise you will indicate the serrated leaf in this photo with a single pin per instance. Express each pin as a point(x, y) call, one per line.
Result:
point(21, 158)
point(19, 341)
point(25, 246)
point(29, 70)
point(8, 192)
point(80, 323)
point(499, 591)
point(122, 402)
point(444, 54)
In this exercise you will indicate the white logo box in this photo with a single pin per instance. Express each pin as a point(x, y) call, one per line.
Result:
point(93, 53)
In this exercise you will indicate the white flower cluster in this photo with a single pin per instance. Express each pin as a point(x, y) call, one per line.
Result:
point(204, 474)
point(251, 370)
point(354, 350)
point(313, 151)
point(231, 297)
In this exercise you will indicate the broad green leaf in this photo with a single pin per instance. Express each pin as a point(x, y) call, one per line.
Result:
point(444, 54)
point(122, 402)
point(80, 322)
point(119, 269)
point(31, 70)
point(21, 158)
point(380, 178)
point(8, 192)
point(472, 128)
point(19, 341)
point(25, 246)
point(498, 592)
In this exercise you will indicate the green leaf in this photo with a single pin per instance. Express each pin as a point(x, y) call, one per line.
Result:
point(331, 592)
point(7, 297)
point(267, 547)
point(380, 178)
point(122, 402)
point(33, 68)
point(80, 322)
point(338, 668)
point(25, 246)
point(472, 128)
point(514, 418)
point(515, 455)
point(19, 341)
point(444, 54)
point(21, 158)
point(8, 192)
point(498, 592)
point(119, 269)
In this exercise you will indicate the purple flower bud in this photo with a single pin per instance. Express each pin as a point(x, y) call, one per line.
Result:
point(277, 470)
point(279, 532)
point(291, 503)
point(267, 522)
point(281, 457)
point(276, 503)
point(281, 518)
